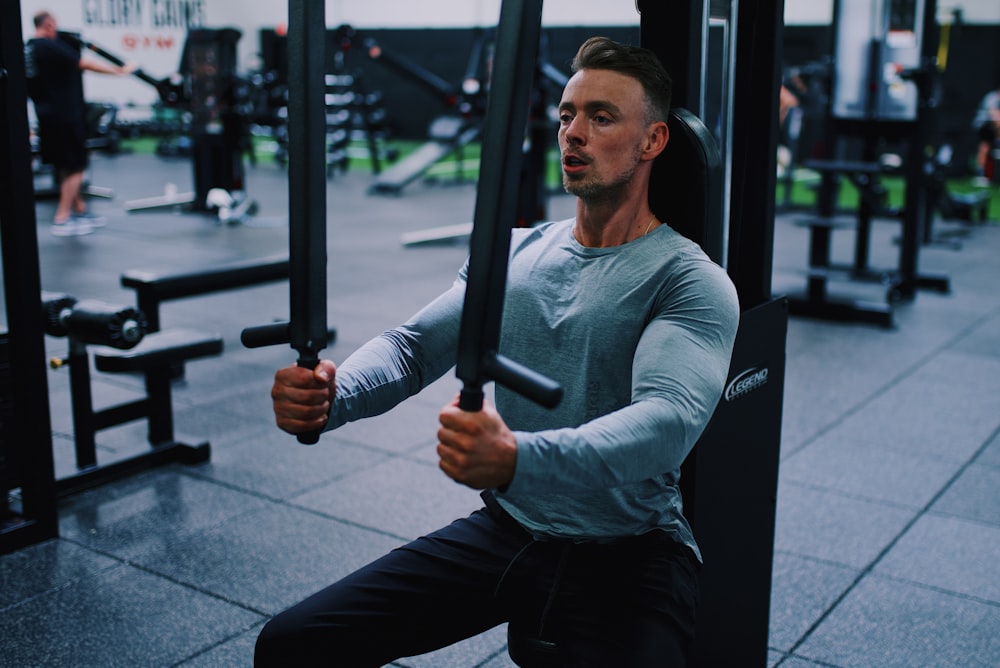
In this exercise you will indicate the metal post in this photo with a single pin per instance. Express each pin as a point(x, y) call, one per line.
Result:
point(18, 232)
point(307, 182)
point(496, 212)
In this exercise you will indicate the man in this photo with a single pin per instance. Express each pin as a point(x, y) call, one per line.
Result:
point(55, 85)
point(582, 547)
point(987, 126)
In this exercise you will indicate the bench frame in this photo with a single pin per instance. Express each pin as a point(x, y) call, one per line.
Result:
point(155, 358)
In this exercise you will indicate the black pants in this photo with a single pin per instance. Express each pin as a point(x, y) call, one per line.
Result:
point(630, 603)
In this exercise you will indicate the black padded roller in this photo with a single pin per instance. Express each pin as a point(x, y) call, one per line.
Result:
point(96, 322)
point(55, 307)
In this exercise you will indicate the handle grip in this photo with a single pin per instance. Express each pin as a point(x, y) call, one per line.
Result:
point(308, 437)
point(260, 336)
point(517, 377)
point(526, 382)
point(271, 335)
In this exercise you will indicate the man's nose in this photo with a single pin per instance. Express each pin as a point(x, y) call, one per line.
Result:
point(573, 132)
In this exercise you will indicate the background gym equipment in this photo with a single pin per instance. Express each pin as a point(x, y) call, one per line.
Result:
point(220, 104)
point(533, 190)
point(353, 113)
point(123, 330)
point(884, 88)
point(447, 134)
point(152, 288)
point(169, 88)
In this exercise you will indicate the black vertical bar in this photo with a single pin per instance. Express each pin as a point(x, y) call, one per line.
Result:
point(675, 32)
point(22, 286)
point(160, 416)
point(84, 428)
point(497, 202)
point(757, 80)
point(307, 182)
point(916, 213)
point(678, 33)
point(734, 603)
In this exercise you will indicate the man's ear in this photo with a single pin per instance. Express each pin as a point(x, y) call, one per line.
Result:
point(657, 137)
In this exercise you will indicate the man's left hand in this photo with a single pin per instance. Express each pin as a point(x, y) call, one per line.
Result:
point(476, 448)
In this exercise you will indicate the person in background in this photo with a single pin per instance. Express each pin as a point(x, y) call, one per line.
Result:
point(987, 126)
point(55, 86)
point(581, 545)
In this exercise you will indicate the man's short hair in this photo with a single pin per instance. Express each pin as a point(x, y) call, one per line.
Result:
point(601, 53)
point(41, 17)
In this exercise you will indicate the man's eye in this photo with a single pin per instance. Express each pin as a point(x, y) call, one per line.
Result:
point(565, 118)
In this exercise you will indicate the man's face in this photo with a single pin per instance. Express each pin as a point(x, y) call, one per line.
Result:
point(48, 28)
point(602, 131)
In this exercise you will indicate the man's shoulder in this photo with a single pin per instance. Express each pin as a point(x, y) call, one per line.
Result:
point(52, 48)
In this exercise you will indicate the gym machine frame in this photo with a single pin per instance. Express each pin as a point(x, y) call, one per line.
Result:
point(735, 462)
point(26, 461)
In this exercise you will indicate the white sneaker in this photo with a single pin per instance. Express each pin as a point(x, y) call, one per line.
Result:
point(89, 218)
point(71, 228)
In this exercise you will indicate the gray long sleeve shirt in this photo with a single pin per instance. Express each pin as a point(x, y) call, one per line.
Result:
point(639, 335)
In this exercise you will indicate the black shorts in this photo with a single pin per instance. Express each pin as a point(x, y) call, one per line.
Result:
point(987, 132)
point(63, 145)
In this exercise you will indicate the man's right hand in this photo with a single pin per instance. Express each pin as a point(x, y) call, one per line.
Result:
point(302, 397)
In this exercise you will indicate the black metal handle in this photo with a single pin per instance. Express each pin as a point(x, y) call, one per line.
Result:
point(516, 377)
point(526, 382)
point(266, 335)
point(517, 43)
point(274, 334)
point(309, 437)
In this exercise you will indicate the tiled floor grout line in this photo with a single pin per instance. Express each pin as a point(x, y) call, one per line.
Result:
point(892, 543)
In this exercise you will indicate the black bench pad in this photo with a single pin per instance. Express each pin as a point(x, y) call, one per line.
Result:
point(214, 279)
point(158, 350)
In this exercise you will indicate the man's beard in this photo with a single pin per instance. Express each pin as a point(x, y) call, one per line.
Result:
point(592, 191)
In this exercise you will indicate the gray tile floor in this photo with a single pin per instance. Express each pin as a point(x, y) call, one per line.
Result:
point(888, 522)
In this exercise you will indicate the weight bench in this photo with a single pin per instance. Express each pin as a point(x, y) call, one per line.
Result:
point(155, 357)
point(153, 288)
point(817, 302)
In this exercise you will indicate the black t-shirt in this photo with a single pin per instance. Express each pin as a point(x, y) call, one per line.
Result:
point(55, 83)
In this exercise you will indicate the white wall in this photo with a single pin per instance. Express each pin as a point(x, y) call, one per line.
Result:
point(151, 32)
point(820, 12)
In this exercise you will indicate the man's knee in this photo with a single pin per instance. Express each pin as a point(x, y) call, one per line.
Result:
point(292, 639)
point(272, 642)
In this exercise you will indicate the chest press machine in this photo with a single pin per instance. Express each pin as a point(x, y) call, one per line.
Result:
point(729, 481)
